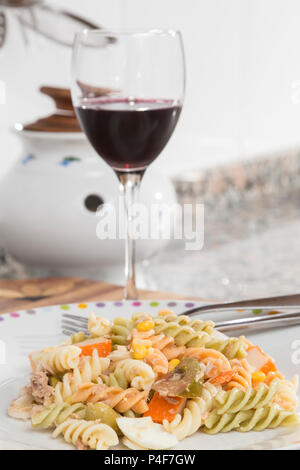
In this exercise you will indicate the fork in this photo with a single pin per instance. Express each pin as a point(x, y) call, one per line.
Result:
point(283, 302)
point(74, 323)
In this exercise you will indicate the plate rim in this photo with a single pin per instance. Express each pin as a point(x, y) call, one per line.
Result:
point(125, 303)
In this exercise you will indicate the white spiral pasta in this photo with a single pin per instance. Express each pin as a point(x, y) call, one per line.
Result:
point(98, 326)
point(286, 395)
point(58, 359)
point(92, 434)
point(89, 370)
point(194, 414)
point(134, 372)
point(120, 353)
point(90, 367)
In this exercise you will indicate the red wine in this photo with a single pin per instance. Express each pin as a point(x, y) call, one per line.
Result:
point(128, 134)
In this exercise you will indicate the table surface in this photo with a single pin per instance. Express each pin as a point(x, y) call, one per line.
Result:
point(27, 294)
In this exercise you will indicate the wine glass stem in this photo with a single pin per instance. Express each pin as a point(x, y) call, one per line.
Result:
point(130, 184)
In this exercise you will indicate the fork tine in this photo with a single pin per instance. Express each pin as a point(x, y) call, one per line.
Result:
point(67, 330)
point(73, 323)
point(72, 327)
point(78, 318)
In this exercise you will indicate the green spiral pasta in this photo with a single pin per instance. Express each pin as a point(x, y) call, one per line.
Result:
point(120, 331)
point(183, 335)
point(252, 420)
point(184, 320)
point(237, 400)
point(232, 348)
point(198, 333)
point(54, 415)
point(268, 418)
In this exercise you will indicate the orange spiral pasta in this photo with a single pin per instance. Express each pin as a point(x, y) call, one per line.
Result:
point(214, 361)
point(157, 360)
point(166, 344)
point(115, 397)
point(242, 378)
point(273, 375)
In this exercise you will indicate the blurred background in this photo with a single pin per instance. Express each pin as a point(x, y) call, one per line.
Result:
point(236, 148)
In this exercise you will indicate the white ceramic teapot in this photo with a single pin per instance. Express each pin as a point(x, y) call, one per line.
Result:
point(48, 202)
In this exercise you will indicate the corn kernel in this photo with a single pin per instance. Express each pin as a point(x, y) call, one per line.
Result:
point(164, 312)
point(173, 364)
point(145, 325)
point(258, 376)
point(139, 351)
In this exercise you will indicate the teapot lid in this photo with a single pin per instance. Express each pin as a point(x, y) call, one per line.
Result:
point(63, 119)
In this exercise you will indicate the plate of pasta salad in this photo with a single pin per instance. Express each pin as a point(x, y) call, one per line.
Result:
point(143, 376)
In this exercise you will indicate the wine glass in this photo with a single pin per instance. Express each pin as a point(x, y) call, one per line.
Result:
point(127, 90)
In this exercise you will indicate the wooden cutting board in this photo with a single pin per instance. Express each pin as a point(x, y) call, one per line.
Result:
point(27, 294)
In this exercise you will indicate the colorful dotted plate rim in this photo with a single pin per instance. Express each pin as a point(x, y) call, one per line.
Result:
point(136, 304)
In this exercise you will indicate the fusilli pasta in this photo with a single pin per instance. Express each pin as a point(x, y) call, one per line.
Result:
point(92, 434)
point(251, 420)
point(286, 395)
point(54, 415)
point(214, 361)
point(116, 397)
point(120, 353)
point(242, 378)
point(194, 413)
point(158, 361)
point(98, 326)
point(183, 335)
point(183, 320)
point(232, 348)
point(57, 359)
point(88, 370)
point(239, 400)
point(120, 331)
point(166, 344)
point(132, 372)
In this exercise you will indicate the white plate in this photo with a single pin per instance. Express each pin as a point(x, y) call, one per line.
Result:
point(25, 331)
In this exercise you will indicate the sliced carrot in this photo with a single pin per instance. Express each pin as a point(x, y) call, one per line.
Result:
point(103, 348)
point(161, 408)
point(222, 378)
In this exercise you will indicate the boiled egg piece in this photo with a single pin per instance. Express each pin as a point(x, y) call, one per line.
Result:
point(146, 434)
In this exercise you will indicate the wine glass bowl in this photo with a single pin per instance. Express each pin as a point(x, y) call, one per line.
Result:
point(128, 90)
